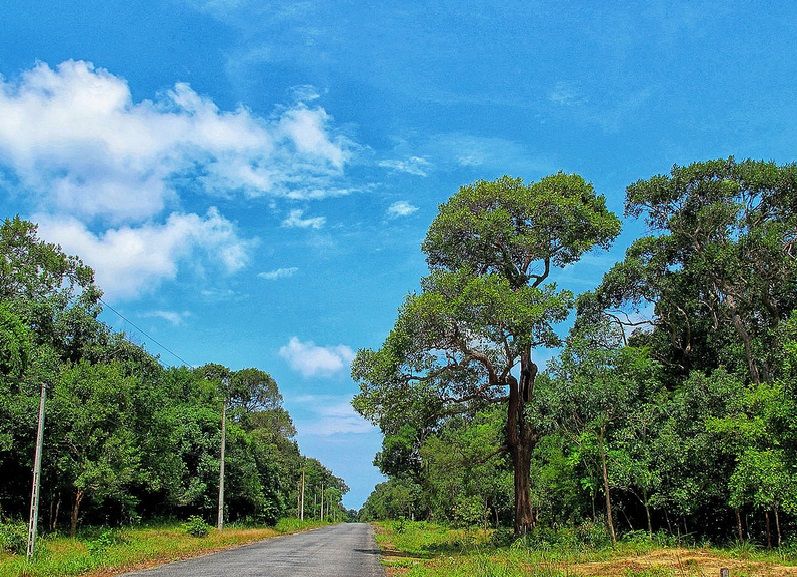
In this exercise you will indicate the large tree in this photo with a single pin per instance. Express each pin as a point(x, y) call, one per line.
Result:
point(718, 272)
point(467, 339)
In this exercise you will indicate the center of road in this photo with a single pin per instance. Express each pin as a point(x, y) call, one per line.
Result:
point(346, 550)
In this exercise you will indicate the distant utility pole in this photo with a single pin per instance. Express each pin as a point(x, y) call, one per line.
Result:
point(37, 467)
point(301, 514)
point(220, 521)
point(322, 501)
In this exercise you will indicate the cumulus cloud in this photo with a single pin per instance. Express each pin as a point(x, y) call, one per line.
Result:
point(401, 208)
point(416, 165)
point(295, 220)
point(74, 136)
point(313, 360)
point(175, 318)
point(131, 260)
point(278, 273)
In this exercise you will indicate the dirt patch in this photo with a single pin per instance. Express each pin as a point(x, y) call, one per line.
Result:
point(682, 563)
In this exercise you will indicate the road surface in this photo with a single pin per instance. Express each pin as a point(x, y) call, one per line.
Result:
point(346, 550)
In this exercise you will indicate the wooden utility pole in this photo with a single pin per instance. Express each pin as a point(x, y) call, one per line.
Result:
point(220, 521)
point(37, 467)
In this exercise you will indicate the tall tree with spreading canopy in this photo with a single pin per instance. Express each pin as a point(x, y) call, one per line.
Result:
point(719, 270)
point(467, 338)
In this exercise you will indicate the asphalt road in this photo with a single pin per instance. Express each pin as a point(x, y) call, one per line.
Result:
point(346, 550)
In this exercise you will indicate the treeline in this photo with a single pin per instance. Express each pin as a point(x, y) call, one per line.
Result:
point(127, 439)
point(672, 405)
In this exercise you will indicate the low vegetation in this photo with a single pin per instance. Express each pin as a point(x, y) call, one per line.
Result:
point(422, 549)
point(99, 552)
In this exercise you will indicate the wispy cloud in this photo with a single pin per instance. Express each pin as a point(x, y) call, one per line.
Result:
point(278, 273)
point(474, 151)
point(416, 165)
point(312, 360)
point(333, 415)
point(401, 208)
point(295, 220)
point(566, 95)
point(176, 318)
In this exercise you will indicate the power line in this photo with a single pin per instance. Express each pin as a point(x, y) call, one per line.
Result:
point(143, 332)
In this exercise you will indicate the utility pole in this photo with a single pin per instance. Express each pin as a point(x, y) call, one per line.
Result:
point(220, 522)
point(302, 511)
point(322, 501)
point(37, 467)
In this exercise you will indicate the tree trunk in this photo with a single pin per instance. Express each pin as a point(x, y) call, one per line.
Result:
point(746, 340)
point(769, 531)
point(605, 473)
point(54, 525)
point(647, 514)
point(739, 526)
point(521, 461)
point(777, 525)
point(521, 439)
point(75, 512)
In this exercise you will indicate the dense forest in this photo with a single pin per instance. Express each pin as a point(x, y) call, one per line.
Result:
point(127, 439)
point(671, 404)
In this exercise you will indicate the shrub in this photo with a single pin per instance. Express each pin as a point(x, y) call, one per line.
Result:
point(14, 537)
point(196, 526)
point(104, 540)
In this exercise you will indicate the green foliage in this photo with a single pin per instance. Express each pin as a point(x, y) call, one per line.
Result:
point(485, 306)
point(107, 538)
point(13, 537)
point(196, 526)
point(671, 406)
point(125, 438)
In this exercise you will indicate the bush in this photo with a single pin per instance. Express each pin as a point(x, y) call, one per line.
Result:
point(14, 537)
point(196, 526)
point(105, 539)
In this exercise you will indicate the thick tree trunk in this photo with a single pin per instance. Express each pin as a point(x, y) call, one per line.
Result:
point(75, 512)
point(521, 439)
point(521, 460)
point(605, 474)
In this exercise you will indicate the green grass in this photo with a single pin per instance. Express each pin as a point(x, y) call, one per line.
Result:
point(430, 550)
point(101, 552)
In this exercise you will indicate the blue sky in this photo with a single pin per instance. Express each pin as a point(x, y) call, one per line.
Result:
point(252, 180)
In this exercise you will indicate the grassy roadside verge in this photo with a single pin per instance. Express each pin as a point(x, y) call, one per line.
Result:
point(428, 550)
point(117, 551)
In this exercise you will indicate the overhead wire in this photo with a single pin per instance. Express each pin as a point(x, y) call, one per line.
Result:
point(143, 332)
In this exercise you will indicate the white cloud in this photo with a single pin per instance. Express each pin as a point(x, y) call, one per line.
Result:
point(332, 415)
point(278, 273)
point(472, 151)
point(401, 208)
point(75, 137)
point(312, 360)
point(416, 165)
point(295, 220)
point(176, 318)
point(129, 261)
point(565, 95)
